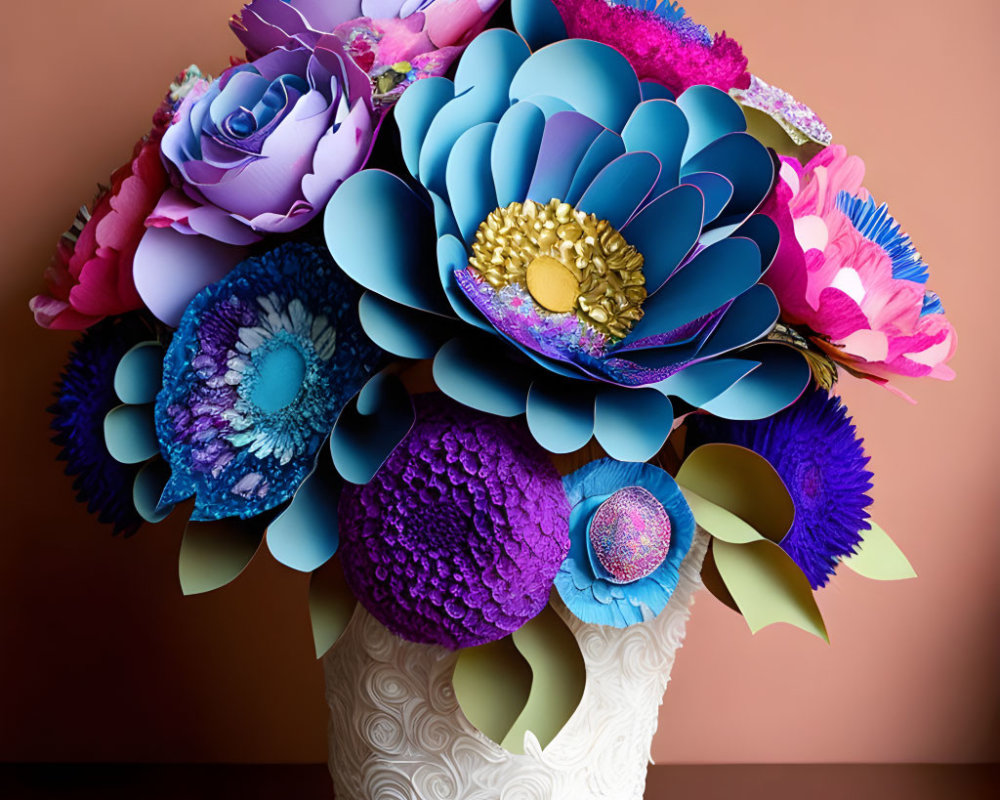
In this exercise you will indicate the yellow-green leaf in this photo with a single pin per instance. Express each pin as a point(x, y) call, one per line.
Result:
point(879, 558)
point(768, 586)
point(741, 482)
point(214, 553)
point(717, 521)
point(492, 684)
point(331, 605)
point(558, 677)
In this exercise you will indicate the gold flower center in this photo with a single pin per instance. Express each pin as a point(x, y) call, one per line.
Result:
point(567, 261)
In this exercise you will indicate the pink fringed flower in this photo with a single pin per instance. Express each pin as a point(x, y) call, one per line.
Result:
point(660, 42)
point(847, 271)
point(90, 276)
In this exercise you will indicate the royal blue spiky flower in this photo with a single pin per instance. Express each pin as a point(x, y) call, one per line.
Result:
point(814, 448)
point(84, 395)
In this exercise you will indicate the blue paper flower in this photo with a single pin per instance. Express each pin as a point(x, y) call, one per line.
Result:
point(618, 571)
point(84, 395)
point(255, 377)
point(814, 448)
point(575, 251)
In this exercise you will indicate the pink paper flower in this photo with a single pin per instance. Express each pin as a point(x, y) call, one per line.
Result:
point(394, 41)
point(847, 272)
point(90, 276)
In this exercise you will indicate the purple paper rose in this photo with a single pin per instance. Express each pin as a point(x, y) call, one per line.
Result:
point(262, 149)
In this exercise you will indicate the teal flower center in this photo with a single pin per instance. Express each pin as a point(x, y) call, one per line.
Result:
point(280, 370)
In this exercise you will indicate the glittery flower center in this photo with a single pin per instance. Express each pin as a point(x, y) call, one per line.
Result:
point(567, 261)
point(630, 535)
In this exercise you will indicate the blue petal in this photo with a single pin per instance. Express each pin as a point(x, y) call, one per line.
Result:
point(702, 382)
point(606, 148)
point(481, 80)
point(593, 78)
point(665, 231)
point(538, 21)
point(765, 234)
point(548, 105)
point(651, 90)
point(659, 127)
point(711, 114)
point(716, 190)
point(710, 280)
point(400, 330)
point(305, 536)
point(515, 152)
point(565, 142)
point(130, 434)
point(150, 481)
point(139, 374)
point(392, 263)
point(470, 179)
point(473, 374)
point(751, 317)
point(620, 188)
point(415, 112)
point(452, 256)
point(370, 427)
point(782, 376)
point(560, 416)
point(632, 424)
point(745, 163)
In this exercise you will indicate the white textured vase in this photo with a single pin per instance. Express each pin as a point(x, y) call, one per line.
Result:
point(397, 732)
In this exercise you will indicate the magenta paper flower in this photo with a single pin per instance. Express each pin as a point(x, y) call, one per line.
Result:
point(90, 276)
point(847, 271)
point(394, 41)
point(262, 149)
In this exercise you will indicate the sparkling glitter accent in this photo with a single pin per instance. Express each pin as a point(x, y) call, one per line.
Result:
point(607, 269)
point(799, 121)
point(630, 535)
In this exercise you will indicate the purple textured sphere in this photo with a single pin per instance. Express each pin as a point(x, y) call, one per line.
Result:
point(630, 534)
point(458, 537)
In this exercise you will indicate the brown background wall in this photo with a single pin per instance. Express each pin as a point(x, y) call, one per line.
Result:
point(101, 659)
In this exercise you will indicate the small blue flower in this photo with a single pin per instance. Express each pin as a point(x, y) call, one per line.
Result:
point(254, 379)
point(814, 448)
point(630, 528)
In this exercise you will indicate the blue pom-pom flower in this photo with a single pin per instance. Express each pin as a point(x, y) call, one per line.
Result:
point(814, 448)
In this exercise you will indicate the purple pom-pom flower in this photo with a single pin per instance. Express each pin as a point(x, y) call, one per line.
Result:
point(457, 539)
point(814, 448)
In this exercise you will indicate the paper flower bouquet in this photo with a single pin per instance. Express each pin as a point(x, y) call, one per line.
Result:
point(512, 323)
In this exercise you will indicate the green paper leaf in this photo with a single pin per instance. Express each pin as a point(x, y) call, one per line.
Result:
point(492, 684)
point(717, 521)
point(331, 605)
point(768, 586)
point(558, 677)
point(878, 557)
point(743, 483)
point(214, 553)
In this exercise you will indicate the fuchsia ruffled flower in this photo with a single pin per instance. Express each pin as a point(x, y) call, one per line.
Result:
point(394, 41)
point(847, 271)
point(660, 42)
point(90, 276)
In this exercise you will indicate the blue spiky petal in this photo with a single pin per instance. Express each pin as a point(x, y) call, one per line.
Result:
point(814, 447)
point(674, 15)
point(877, 225)
point(84, 395)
